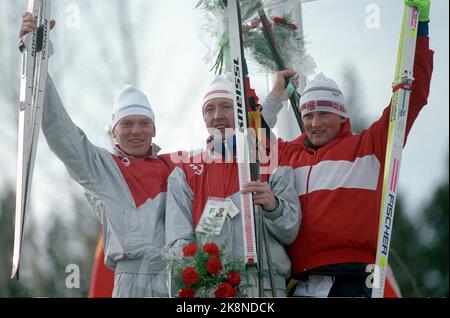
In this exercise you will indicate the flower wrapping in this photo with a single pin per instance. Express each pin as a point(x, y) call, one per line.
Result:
point(284, 30)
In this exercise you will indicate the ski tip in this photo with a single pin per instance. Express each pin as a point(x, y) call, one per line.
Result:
point(15, 273)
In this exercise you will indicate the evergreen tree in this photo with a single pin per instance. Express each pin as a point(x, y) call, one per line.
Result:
point(47, 253)
point(420, 247)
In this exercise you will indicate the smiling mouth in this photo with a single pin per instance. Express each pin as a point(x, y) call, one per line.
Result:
point(136, 142)
point(222, 126)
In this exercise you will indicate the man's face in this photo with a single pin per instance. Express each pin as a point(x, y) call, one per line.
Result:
point(322, 127)
point(134, 135)
point(218, 115)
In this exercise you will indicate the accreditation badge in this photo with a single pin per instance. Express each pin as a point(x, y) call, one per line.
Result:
point(213, 216)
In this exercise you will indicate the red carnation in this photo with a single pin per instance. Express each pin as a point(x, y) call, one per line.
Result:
point(213, 265)
point(233, 278)
point(279, 20)
point(190, 249)
point(190, 276)
point(211, 249)
point(186, 293)
point(225, 290)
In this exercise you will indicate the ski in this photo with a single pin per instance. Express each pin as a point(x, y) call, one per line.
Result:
point(242, 145)
point(34, 47)
point(396, 137)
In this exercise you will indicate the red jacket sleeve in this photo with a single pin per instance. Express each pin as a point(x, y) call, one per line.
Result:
point(423, 68)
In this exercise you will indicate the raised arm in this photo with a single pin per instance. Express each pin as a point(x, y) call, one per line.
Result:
point(274, 101)
point(65, 139)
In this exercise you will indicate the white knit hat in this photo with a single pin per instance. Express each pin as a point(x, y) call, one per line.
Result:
point(131, 101)
point(221, 87)
point(323, 95)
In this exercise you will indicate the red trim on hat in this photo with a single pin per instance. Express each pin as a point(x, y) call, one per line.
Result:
point(312, 105)
point(221, 91)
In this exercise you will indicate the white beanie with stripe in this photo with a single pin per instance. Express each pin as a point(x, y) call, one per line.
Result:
point(221, 87)
point(131, 101)
point(323, 95)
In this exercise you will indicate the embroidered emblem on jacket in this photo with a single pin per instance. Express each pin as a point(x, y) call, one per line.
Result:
point(126, 162)
point(198, 169)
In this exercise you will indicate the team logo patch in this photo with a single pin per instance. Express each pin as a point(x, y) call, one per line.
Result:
point(126, 161)
point(198, 169)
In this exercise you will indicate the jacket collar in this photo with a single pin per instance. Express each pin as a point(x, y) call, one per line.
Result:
point(122, 154)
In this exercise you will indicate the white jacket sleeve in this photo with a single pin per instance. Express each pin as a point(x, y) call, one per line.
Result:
point(179, 223)
point(271, 107)
point(284, 222)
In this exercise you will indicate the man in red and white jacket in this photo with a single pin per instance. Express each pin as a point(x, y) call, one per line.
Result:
point(339, 179)
point(208, 181)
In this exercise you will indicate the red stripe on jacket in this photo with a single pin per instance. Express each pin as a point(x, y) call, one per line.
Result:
point(147, 178)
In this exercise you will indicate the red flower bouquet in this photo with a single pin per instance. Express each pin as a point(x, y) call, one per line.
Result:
point(202, 272)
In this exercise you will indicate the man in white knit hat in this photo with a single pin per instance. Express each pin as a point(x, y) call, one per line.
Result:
point(339, 177)
point(208, 181)
point(322, 101)
point(218, 107)
point(126, 188)
point(133, 122)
